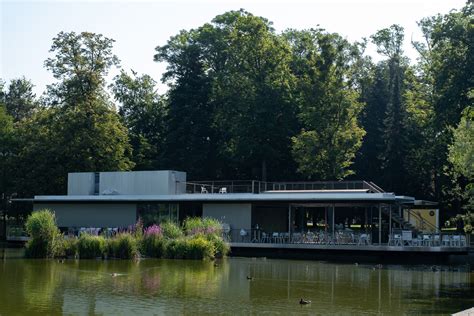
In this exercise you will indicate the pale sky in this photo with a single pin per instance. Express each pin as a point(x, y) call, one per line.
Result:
point(27, 27)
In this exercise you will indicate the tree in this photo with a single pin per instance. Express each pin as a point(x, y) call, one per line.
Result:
point(142, 113)
point(190, 139)
point(81, 131)
point(389, 43)
point(19, 99)
point(461, 154)
point(328, 104)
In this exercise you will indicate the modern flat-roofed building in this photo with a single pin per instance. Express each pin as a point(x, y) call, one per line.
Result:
point(252, 210)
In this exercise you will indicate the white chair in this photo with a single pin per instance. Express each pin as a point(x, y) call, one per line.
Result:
point(223, 190)
point(426, 240)
point(456, 241)
point(296, 238)
point(204, 190)
point(436, 240)
point(266, 238)
point(276, 238)
point(407, 238)
point(446, 241)
point(396, 240)
point(463, 241)
point(363, 239)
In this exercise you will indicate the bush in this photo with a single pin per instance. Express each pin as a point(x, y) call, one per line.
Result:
point(221, 247)
point(123, 246)
point(176, 249)
point(171, 230)
point(44, 235)
point(199, 248)
point(70, 247)
point(206, 226)
point(153, 243)
point(89, 246)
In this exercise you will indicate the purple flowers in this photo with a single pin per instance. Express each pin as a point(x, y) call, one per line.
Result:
point(153, 230)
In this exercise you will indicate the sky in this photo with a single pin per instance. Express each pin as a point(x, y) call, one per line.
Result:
point(28, 27)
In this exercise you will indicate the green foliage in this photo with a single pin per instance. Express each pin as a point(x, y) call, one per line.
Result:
point(44, 235)
point(170, 230)
point(153, 246)
point(90, 247)
point(20, 101)
point(329, 108)
point(176, 249)
point(206, 226)
point(221, 247)
point(199, 248)
point(70, 246)
point(142, 113)
point(123, 246)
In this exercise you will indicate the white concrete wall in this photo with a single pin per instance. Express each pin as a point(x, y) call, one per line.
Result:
point(140, 182)
point(236, 215)
point(80, 183)
point(92, 215)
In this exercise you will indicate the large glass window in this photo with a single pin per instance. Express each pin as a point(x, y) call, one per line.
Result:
point(156, 213)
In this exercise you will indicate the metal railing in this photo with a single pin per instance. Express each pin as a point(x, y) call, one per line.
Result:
point(419, 222)
point(255, 186)
point(398, 238)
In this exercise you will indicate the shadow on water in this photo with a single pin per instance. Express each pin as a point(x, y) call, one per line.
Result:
point(232, 286)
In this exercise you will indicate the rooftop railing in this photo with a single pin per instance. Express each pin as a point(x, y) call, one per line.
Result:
point(255, 186)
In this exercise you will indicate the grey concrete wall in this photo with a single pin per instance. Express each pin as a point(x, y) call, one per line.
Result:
point(80, 183)
point(92, 215)
point(140, 182)
point(236, 215)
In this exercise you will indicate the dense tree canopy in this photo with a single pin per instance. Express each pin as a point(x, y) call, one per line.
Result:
point(247, 102)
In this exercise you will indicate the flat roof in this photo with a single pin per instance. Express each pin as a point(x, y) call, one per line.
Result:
point(232, 197)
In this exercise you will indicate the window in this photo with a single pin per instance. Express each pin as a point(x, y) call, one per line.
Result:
point(156, 213)
point(96, 183)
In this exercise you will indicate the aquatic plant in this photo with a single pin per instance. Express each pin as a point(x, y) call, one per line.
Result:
point(44, 235)
point(89, 247)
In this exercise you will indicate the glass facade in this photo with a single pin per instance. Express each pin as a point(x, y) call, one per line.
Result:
point(156, 213)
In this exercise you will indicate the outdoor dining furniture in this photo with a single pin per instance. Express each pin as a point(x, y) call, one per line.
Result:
point(266, 238)
point(203, 190)
point(427, 240)
point(395, 240)
point(296, 238)
point(407, 238)
point(446, 241)
point(223, 190)
point(364, 239)
point(456, 241)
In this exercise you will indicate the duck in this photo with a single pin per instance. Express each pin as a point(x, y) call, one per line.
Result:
point(249, 278)
point(304, 302)
point(114, 275)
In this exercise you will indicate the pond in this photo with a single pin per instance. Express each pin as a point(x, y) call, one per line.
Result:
point(121, 287)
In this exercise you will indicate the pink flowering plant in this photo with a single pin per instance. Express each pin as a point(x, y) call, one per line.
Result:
point(153, 230)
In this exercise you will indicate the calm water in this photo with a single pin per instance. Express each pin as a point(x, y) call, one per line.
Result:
point(87, 287)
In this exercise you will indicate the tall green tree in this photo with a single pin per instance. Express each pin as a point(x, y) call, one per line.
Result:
point(190, 139)
point(143, 113)
point(461, 155)
point(253, 95)
point(80, 131)
point(20, 101)
point(389, 43)
point(328, 104)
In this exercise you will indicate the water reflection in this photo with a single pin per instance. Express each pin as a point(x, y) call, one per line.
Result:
point(174, 286)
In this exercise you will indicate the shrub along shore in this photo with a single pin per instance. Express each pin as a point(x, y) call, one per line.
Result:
point(198, 238)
